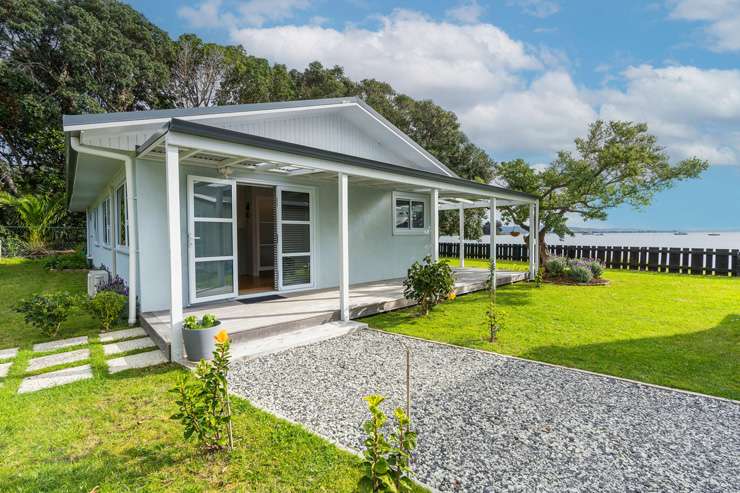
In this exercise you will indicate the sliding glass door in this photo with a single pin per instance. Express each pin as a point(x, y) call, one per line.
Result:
point(295, 238)
point(212, 239)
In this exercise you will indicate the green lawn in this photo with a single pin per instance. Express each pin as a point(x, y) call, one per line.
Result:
point(113, 432)
point(675, 330)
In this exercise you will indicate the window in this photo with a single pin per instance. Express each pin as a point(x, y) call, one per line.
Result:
point(409, 214)
point(121, 217)
point(106, 221)
point(95, 233)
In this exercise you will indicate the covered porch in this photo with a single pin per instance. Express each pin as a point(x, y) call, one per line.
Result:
point(238, 156)
point(259, 318)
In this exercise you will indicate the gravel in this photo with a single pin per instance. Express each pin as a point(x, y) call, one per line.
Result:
point(491, 423)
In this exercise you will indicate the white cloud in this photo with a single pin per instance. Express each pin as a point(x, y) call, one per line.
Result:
point(722, 18)
point(468, 12)
point(209, 14)
point(258, 12)
point(537, 8)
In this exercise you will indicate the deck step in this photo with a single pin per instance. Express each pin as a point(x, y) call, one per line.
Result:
point(287, 340)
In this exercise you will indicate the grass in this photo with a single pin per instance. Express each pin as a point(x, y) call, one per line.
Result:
point(113, 432)
point(675, 330)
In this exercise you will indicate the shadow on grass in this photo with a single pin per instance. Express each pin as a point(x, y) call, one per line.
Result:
point(707, 362)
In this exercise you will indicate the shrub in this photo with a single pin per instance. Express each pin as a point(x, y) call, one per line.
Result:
point(538, 277)
point(203, 400)
point(597, 268)
point(106, 307)
point(495, 317)
point(580, 272)
point(428, 283)
point(386, 464)
point(47, 312)
point(117, 285)
point(74, 260)
point(206, 322)
point(556, 266)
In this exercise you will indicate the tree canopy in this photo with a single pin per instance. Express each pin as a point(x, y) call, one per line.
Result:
point(616, 163)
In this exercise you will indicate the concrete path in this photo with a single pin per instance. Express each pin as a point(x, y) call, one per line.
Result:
point(487, 422)
point(42, 362)
point(118, 335)
point(4, 369)
point(61, 343)
point(125, 346)
point(55, 378)
point(8, 353)
point(141, 360)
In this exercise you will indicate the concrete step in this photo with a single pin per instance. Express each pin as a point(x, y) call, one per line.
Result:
point(254, 348)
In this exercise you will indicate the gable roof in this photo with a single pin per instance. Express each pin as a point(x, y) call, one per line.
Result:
point(76, 123)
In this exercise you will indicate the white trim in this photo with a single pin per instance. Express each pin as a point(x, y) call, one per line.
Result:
point(192, 260)
point(492, 241)
point(311, 191)
point(461, 221)
point(411, 197)
point(174, 236)
point(435, 224)
point(343, 246)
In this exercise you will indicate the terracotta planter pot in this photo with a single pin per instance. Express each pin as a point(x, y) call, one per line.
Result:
point(200, 343)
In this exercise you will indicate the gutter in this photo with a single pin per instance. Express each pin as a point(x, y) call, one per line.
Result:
point(131, 212)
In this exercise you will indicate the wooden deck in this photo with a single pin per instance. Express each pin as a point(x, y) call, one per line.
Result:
point(255, 319)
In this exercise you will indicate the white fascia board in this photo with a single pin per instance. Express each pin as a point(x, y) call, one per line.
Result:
point(152, 121)
point(243, 150)
point(482, 204)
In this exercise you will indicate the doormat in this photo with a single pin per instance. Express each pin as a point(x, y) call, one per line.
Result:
point(271, 297)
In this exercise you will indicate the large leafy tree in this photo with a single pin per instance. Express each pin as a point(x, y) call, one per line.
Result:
point(617, 163)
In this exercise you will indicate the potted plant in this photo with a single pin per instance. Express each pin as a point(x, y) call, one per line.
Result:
point(198, 336)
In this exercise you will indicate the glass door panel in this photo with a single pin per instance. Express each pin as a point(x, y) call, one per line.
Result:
point(295, 227)
point(211, 239)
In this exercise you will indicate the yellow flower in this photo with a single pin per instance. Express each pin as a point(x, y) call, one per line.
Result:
point(222, 337)
point(452, 296)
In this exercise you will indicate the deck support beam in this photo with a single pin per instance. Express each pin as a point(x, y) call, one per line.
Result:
point(435, 224)
point(462, 235)
point(343, 251)
point(174, 232)
point(532, 241)
point(492, 240)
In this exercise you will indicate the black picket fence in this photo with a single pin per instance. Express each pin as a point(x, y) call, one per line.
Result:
point(697, 261)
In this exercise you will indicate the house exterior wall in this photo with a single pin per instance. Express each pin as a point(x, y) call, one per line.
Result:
point(375, 252)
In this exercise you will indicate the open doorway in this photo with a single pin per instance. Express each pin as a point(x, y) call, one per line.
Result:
point(256, 238)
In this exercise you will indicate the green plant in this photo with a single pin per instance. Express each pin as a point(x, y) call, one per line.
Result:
point(106, 307)
point(74, 260)
point(37, 213)
point(203, 400)
point(208, 320)
point(428, 283)
point(556, 266)
point(495, 317)
point(580, 272)
point(47, 312)
point(386, 464)
point(538, 277)
point(597, 268)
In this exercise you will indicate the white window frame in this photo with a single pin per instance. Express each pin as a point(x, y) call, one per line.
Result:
point(105, 209)
point(311, 191)
point(121, 247)
point(95, 227)
point(411, 197)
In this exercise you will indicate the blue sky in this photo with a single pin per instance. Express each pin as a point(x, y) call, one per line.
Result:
point(526, 76)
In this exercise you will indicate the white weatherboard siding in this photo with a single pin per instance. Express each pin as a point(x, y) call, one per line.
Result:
point(374, 252)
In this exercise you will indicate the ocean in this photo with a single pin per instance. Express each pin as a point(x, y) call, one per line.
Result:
point(722, 239)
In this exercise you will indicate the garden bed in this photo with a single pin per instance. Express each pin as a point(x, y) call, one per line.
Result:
point(570, 282)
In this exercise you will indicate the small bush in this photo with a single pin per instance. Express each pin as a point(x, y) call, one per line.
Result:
point(68, 261)
point(208, 320)
point(117, 285)
point(106, 307)
point(496, 317)
point(538, 277)
point(47, 312)
point(597, 268)
point(556, 266)
point(429, 283)
point(203, 400)
point(386, 463)
point(580, 272)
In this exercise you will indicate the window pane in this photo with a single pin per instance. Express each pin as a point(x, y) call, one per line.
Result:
point(121, 200)
point(212, 199)
point(213, 239)
point(417, 214)
point(214, 278)
point(295, 206)
point(296, 238)
point(296, 270)
point(402, 214)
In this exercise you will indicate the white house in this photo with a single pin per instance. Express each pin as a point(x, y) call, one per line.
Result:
point(198, 205)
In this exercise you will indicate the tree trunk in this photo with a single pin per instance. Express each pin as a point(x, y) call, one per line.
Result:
point(544, 254)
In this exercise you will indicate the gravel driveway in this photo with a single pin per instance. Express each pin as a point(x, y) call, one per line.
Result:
point(491, 423)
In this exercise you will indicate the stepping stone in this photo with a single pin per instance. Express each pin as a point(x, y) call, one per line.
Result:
point(8, 353)
point(125, 346)
point(141, 360)
point(117, 335)
point(4, 369)
point(55, 378)
point(62, 343)
point(57, 359)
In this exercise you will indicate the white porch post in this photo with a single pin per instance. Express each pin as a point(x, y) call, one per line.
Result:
point(462, 235)
point(132, 242)
point(343, 251)
point(435, 224)
point(174, 231)
point(537, 237)
point(532, 242)
point(112, 232)
point(492, 238)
